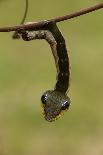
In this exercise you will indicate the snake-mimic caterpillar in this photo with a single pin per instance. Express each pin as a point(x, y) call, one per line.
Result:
point(54, 101)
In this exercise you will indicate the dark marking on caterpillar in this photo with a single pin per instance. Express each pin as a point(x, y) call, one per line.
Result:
point(55, 101)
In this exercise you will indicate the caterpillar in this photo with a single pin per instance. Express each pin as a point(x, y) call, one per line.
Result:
point(56, 101)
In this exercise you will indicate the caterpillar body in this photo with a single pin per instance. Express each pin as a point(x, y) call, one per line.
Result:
point(54, 101)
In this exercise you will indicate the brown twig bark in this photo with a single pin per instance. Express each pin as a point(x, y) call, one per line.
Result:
point(37, 25)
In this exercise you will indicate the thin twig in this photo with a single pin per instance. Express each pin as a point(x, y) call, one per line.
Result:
point(25, 13)
point(16, 34)
point(36, 25)
point(79, 13)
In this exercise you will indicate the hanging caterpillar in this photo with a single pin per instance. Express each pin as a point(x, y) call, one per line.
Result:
point(54, 101)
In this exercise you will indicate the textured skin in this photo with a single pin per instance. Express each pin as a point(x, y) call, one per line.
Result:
point(54, 101)
point(63, 60)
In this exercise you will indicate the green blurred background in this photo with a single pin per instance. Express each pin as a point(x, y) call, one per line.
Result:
point(27, 69)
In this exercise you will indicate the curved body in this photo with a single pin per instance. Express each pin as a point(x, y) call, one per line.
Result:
point(54, 101)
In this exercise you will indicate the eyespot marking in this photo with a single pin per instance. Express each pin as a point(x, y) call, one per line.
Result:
point(56, 103)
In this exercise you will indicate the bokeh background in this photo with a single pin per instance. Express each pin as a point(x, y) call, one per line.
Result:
point(27, 69)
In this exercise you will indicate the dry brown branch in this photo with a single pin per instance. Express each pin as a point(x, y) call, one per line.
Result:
point(37, 25)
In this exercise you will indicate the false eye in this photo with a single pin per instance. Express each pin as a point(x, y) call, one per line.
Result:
point(43, 99)
point(65, 105)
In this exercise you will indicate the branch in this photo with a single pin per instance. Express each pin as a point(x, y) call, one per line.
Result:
point(37, 25)
point(16, 34)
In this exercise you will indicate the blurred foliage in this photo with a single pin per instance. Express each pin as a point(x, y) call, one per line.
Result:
point(26, 71)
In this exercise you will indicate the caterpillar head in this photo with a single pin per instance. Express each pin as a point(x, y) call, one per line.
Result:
point(54, 103)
